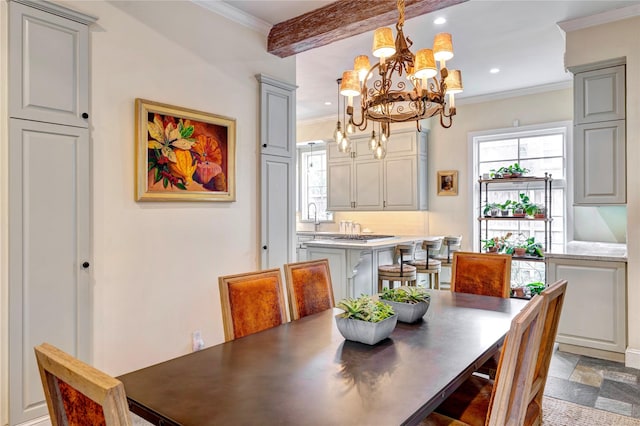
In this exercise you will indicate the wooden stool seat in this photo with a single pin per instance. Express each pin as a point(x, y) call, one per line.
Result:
point(431, 267)
point(405, 276)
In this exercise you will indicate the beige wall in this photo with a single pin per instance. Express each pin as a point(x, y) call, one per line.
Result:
point(599, 43)
point(155, 265)
point(449, 150)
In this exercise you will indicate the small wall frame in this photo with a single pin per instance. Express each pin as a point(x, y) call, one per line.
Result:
point(447, 182)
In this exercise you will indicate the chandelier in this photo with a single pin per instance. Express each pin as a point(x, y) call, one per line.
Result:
point(400, 87)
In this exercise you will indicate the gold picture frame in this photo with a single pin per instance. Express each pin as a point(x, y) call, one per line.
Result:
point(447, 182)
point(183, 154)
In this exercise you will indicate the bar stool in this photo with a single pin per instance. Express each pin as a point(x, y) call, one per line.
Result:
point(453, 244)
point(401, 272)
point(429, 265)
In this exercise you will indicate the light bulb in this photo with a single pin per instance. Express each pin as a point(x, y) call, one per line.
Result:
point(383, 137)
point(337, 134)
point(379, 153)
point(373, 143)
point(344, 145)
point(350, 129)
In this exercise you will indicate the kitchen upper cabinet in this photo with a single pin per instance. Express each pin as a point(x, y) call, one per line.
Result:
point(277, 122)
point(600, 163)
point(594, 311)
point(599, 95)
point(356, 181)
point(599, 159)
point(48, 65)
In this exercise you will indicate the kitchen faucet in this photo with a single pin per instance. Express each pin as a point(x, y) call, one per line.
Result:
point(315, 215)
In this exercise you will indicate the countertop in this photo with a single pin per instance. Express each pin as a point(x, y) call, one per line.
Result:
point(319, 241)
point(587, 250)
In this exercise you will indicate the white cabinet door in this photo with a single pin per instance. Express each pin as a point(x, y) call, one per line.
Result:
point(600, 163)
point(339, 186)
point(368, 184)
point(337, 264)
point(277, 209)
point(599, 95)
point(48, 67)
point(401, 183)
point(49, 293)
point(594, 311)
point(277, 121)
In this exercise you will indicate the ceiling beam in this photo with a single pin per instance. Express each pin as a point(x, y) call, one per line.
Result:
point(342, 19)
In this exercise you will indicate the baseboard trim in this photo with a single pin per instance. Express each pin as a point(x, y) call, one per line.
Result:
point(594, 353)
point(632, 358)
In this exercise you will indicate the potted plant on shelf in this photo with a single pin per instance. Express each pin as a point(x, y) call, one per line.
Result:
point(515, 170)
point(533, 248)
point(491, 245)
point(523, 207)
point(541, 212)
point(365, 320)
point(491, 209)
point(410, 303)
point(504, 207)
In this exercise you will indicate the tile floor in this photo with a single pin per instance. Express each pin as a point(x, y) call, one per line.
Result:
point(606, 385)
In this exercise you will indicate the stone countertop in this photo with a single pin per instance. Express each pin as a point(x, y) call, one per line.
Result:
point(358, 244)
point(587, 250)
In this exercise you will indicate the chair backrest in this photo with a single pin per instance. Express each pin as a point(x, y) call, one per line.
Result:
point(309, 287)
point(251, 302)
point(78, 393)
point(553, 297)
point(488, 274)
point(510, 392)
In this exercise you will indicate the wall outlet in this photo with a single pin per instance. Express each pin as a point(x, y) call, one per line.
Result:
point(197, 342)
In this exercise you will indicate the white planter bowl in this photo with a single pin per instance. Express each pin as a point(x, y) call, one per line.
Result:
point(366, 332)
point(408, 312)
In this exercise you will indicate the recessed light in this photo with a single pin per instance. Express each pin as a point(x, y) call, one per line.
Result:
point(328, 103)
point(439, 21)
point(494, 70)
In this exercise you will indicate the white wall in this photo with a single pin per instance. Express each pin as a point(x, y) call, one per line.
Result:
point(599, 43)
point(156, 264)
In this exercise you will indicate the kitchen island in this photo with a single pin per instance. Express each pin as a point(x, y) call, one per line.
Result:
point(594, 316)
point(354, 263)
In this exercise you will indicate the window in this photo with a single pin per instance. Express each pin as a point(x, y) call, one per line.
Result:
point(541, 149)
point(312, 183)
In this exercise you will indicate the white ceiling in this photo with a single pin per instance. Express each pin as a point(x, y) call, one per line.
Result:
point(520, 37)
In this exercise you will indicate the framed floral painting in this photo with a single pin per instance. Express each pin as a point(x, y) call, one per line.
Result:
point(183, 154)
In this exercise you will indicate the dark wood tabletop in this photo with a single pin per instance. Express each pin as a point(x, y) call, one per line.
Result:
point(305, 373)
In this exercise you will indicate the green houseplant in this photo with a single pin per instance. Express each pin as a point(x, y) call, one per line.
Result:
point(365, 320)
point(411, 303)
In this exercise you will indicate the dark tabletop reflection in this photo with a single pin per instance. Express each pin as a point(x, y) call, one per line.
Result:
point(360, 367)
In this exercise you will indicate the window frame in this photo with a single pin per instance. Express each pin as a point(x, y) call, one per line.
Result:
point(301, 149)
point(474, 139)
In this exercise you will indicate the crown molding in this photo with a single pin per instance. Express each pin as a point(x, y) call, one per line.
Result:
point(600, 18)
point(235, 15)
point(533, 90)
point(59, 10)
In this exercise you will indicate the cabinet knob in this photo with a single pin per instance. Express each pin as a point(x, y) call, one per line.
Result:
point(264, 145)
point(264, 247)
point(85, 115)
point(85, 265)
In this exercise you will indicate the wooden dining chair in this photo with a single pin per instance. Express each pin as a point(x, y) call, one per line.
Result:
point(309, 287)
point(503, 402)
point(487, 274)
point(251, 302)
point(553, 297)
point(79, 394)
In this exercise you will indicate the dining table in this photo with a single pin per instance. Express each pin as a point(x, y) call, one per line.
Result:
point(305, 373)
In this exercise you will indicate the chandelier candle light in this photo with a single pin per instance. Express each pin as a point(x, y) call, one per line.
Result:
point(400, 87)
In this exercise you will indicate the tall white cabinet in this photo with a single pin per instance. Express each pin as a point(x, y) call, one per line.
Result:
point(49, 177)
point(277, 172)
point(599, 135)
point(357, 181)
